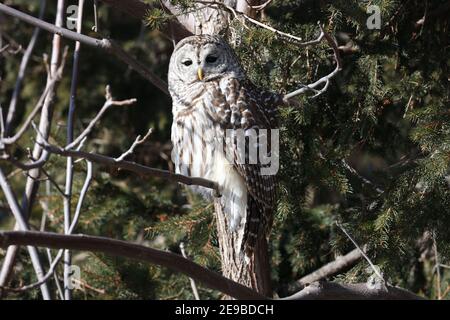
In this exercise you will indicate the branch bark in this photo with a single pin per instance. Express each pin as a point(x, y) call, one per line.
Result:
point(358, 291)
point(113, 247)
point(132, 166)
point(331, 268)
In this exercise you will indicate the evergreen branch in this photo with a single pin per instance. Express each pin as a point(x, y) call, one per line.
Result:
point(121, 248)
point(105, 44)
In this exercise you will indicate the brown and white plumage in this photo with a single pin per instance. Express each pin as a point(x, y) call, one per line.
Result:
point(213, 102)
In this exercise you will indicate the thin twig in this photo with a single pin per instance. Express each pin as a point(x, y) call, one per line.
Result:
point(360, 177)
point(192, 281)
point(95, 27)
point(22, 223)
point(136, 142)
point(259, 7)
point(108, 103)
point(375, 269)
point(69, 163)
point(23, 66)
point(437, 265)
point(326, 79)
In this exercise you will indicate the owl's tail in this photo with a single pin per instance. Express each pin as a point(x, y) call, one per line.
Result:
point(252, 227)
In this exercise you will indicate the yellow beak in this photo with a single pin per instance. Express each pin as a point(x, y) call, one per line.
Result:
point(200, 74)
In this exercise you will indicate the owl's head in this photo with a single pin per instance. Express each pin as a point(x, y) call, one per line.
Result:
point(202, 58)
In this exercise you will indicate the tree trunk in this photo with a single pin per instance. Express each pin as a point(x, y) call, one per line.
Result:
point(254, 274)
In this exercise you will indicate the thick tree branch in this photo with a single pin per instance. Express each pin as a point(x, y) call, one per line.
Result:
point(315, 291)
point(358, 291)
point(113, 247)
point(331, 268)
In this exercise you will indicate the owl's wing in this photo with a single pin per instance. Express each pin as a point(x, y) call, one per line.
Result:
point(253, 111)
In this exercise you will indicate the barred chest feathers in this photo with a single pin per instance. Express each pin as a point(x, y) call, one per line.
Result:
point(199, 145)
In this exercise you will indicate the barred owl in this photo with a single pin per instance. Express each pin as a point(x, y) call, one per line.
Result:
point(215, 109)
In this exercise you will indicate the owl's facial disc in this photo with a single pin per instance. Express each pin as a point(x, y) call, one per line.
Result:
point(202, 63)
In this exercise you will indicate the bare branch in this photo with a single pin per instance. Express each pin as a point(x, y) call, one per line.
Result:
point(23, 66)
point(341, 263)
point(109, 103)
point(69, 163)
point(325, 81)
point(105, 44)
point(32, 185)
point(259, 7)
point(358, 291)
point(136, 142)
point(50, 86)
point(192, 281)
point(133, 167)
point(54, 263)
point(95, 27)
point(83, 193)
point(23, 225)
point(114, 247)
point(213, 280)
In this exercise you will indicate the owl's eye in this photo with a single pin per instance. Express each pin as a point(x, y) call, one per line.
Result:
point(187, 62)
point(211, 59)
